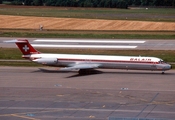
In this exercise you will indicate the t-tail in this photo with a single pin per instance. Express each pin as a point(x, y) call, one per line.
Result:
point(26, 48)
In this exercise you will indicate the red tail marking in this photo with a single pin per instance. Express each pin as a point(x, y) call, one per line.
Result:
point(26, 47)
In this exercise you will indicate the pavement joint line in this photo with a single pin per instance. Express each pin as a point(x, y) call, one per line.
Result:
point(72, 109)
point(19, 116)
point(146, 105)
point(114, 111)
point(150, 111)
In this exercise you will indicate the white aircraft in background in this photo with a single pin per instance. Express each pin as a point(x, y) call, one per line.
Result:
point(85, 63)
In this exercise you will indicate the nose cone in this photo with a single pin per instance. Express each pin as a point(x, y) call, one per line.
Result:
point(164, 67)
point(168, 67)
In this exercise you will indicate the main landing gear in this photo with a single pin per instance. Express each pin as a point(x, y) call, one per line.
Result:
point(84, 71)
point(88, 71)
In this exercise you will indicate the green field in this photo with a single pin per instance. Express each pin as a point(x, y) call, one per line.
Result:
point(141, 14)
point(90, 34)
point(150, 14)
point(168, 55)
point(15, 54)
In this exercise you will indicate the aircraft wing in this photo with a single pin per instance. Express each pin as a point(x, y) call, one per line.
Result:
point(80, 66)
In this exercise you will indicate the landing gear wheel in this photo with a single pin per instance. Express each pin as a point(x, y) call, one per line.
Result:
point(88, 71)
point(84, 71)
point(163, 72)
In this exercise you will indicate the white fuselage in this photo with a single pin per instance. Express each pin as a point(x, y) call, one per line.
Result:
point(104, 61)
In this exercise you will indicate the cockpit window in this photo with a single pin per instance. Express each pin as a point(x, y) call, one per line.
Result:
point(161, 62)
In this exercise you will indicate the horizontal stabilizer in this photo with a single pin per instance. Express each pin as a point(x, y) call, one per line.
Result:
point(15, 41)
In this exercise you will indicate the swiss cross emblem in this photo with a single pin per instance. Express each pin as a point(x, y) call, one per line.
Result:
point(25, 48)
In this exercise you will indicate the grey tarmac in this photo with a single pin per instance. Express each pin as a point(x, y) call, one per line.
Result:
point(148, 44)
point(26, 93)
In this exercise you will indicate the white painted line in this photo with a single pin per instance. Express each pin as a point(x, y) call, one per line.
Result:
point(87, 41)
point(83, 46)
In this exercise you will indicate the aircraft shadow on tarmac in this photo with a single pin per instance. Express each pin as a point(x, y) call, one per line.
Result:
point(92, 72)
point(95, 72)
point(143, 72)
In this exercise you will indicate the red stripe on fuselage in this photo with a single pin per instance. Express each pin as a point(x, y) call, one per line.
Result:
point(111, 61)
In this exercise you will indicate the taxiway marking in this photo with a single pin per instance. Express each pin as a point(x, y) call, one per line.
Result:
point(84, 46)
point(87, 41)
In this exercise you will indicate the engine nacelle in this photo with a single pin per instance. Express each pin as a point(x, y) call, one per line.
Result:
point(46, 61)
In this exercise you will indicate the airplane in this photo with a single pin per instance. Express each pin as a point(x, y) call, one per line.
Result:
point(85, 63)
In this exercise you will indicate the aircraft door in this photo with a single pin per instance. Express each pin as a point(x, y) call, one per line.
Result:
point(87, 60)
point(153, 66)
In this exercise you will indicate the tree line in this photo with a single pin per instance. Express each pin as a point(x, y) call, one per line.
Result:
point(93, 3)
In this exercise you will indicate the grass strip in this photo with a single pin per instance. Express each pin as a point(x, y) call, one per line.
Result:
point(151, 14)
point(167, 55)
point(97, 35)
point(17, 63)
point(15, 54)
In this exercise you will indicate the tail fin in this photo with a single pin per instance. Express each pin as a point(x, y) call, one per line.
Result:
point(25, 47)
